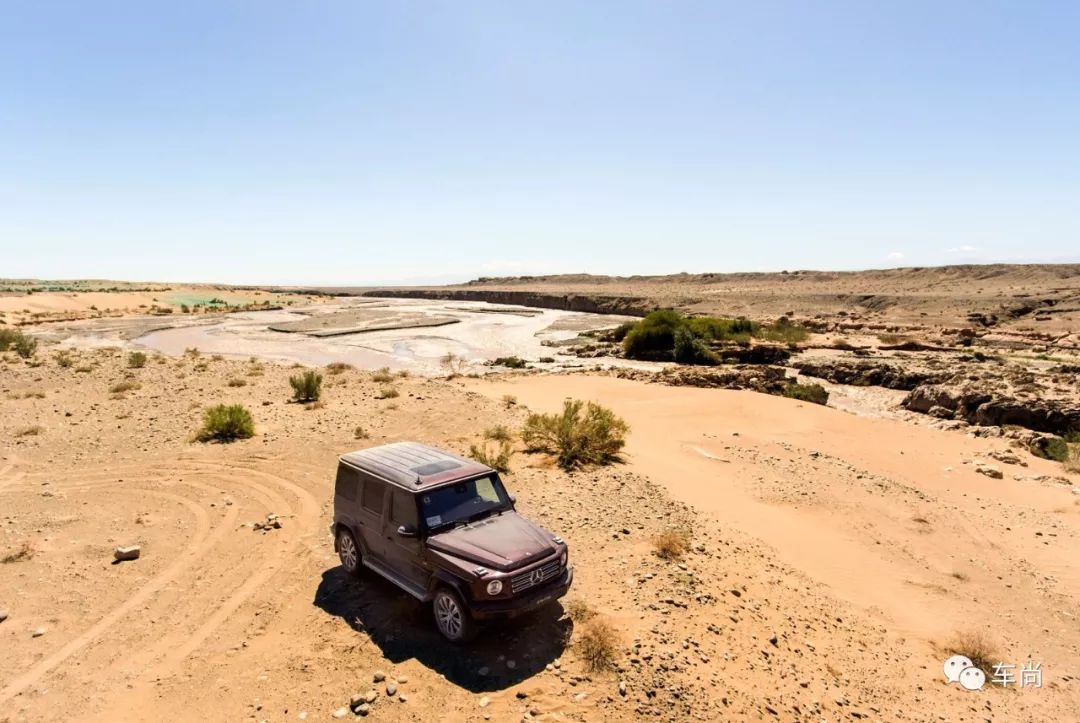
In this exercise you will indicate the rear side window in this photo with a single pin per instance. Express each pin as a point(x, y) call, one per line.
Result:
point(403, 508)
point(347, 483)
point(373, 496)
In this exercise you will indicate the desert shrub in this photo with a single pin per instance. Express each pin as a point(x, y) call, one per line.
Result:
point(784, 330)
point(226, 422)
point(498, 458)
point(672, 544)
point(382, 375)
point(597, 644)
point(689, 349)
point(234, 382)
point(453, 364)
point(124, 386)
point(585, 433)
point(64, 359)
point(579, 610)
point(32, 431)
point(24, 552)
point(84, 369)
point(976, 647)
point(653, 334)
point(619, 332)
point(360, 433)
point(192, 352)
point(338, 367)
point(136, 360)
point(388, 392)
point(8, 337)
point(1054, 448)
point(185, 309)
point(500, 433)
point(510, 362)
point(807, 393)
point(509, 400)
point(24, 345)
point(1072, 464)
point(307, 387)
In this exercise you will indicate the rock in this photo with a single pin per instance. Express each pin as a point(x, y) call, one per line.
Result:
point(622, 687)
point(989, 470)
point(123, 554)
point(863, 374)
point(402, 679)
point(3, 615)
point(1006, 456)
point(371, 697)
point(391, 689)
point(341, 712)
point(941, 412)
point(379, 676)
point(402, 698)
point(485, 702)
point(38, 633)
point(511, 664)
point(362, 710)
point(483, 670)
point(356, 700)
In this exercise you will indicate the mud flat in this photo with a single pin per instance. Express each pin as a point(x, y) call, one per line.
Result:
point(359, 321)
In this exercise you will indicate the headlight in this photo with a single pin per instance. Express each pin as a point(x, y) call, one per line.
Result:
point(562, 560)
point(494, 587)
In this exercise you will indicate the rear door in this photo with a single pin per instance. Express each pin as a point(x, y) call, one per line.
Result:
point(346, 495)
point(374, 497)
point(403, 554)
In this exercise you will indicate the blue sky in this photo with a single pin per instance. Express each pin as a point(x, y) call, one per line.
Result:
point(352, 142)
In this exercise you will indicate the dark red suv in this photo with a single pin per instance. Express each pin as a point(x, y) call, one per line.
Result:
point(444, 530)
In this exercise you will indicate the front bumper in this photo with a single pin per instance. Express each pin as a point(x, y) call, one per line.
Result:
point(526, 602)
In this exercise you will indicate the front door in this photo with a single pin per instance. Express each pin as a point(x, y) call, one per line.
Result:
point(404, 554)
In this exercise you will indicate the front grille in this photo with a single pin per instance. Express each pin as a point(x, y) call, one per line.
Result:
point(536, 576)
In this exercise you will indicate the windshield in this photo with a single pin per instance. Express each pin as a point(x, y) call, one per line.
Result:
point(463, 502)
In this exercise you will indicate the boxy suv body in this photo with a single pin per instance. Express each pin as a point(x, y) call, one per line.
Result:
point(444, 530)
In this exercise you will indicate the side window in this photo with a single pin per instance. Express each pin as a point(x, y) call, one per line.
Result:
point(485, 488)
point(374, 491)
point(347, 482)
point(403, 508)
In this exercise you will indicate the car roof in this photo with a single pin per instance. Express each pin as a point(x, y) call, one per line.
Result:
point(412, 465)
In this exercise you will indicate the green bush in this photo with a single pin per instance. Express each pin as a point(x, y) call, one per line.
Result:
point(807, 393)
point(655, 333)
point(224, 423)
point(585, 433)
point(136, 360)
point(24, 345)
point(8, 337)
point(307, 387)
point(1054, 448)
point(498, 459)
point(691, 350)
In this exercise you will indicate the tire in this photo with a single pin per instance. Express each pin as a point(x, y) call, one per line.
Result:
point(452, 618)
point(348, 552)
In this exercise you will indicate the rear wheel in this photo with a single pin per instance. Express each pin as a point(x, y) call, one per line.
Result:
point(348, 551)
point(451, 617)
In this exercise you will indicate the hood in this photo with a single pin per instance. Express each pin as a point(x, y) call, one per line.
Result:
point(500, 542)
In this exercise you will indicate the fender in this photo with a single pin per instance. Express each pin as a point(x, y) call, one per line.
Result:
point(445, 577)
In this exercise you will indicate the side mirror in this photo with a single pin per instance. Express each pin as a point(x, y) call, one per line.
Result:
point(407, 531)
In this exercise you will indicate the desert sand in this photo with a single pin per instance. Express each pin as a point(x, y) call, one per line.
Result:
point(836, 553)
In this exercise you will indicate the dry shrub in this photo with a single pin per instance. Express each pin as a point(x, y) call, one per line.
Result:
point(64, 359)
point(307, 387)
point(500, 433)
point(136, 360)
point(360, 433)
point(672, 544)
point(579, 610)
point(23, 553)
point(125, 386)
point(498, 458)
point(453, 364)
point(33, 431)
point(338, 367)
point(388, 393)
point(509, 400)
point(597, 644)
point(382, 375)
point(585, 433)
point(976, 647)
point(234, 382)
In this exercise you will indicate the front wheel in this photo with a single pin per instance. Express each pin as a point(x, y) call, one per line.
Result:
point(451, 617)
point(348, 552)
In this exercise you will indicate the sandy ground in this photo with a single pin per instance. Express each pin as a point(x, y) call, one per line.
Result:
point(830, 552)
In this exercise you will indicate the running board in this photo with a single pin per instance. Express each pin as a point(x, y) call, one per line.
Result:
point(415, 590)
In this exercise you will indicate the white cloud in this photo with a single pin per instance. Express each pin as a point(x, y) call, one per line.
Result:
point(895, 256)
point(965, 249)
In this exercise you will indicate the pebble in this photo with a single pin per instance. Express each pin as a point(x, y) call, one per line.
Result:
point(403, 679)
point(379, 676)
point(485, 702)
point(622, 687)
point(341, 712)
point(989, 470)
point(38, 633)
point(391, 689)
point(483, 670)
point(3, 615)
point(402, 699)
point(511, 664)
point(371, 697)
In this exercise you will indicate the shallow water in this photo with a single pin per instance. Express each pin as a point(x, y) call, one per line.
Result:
point(477, 337)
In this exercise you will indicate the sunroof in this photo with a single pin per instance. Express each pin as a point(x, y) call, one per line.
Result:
point(436, 467)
